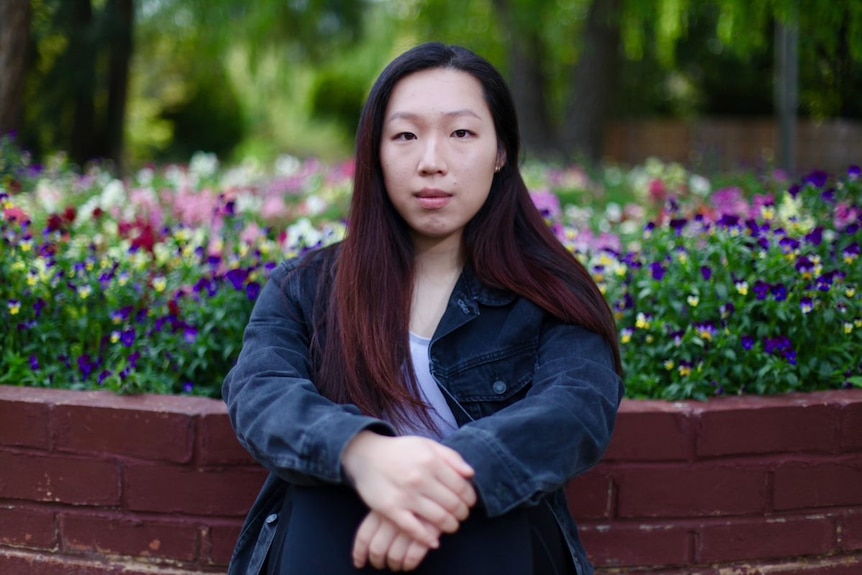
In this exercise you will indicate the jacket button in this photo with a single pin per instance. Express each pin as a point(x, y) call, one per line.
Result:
point(272, 518)
point(499, 387)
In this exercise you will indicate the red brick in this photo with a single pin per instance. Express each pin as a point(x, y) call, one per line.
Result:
point(590, 496)
point(22, 563)
point(217, 442)
point(690, 491)
point(691, 570)
point(746, 539)
point(739, 426)
point(62, 479)
point(651, 431)
point(124, 430)
point(26, 527)
point(24, 424)
point(818, 484)
point(848, 565)
point(192, 491)
point(851, 426)
point(850, 531)
point(130, 536)
point(629, 545)
point(220, 541)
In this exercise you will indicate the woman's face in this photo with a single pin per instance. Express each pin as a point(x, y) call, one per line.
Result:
point(438, 152)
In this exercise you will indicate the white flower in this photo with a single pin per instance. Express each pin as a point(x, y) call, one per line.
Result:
point(287, 165)
point(699, 185)
point(203, 165)
point(113, 195)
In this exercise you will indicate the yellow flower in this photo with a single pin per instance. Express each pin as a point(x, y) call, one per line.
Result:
point(159, 284)
point(641, 321)
point(693, 300)
point(742, 287)
point(115, 335)
point(684, 370)
point(85, 291)
point(14, 306)
point(669, 364)
point(768, 213)
point(850, 292)
point(848, 327)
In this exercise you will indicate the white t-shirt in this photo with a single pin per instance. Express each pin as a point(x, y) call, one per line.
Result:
point(439, 410)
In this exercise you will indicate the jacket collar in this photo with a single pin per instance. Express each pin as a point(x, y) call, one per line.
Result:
point(470, 287)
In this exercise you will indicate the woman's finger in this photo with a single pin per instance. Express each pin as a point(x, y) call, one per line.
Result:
point(415, 554)
point(397, 551)
point(361, 542)
point(381, 541)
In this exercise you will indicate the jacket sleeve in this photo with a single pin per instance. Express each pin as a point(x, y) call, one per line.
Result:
point(560, 429)
point(278, 414)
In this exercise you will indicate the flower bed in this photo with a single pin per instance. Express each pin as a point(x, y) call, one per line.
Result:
point(145, 285)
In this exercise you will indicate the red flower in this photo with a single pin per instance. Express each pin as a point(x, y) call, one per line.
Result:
point(69, 214)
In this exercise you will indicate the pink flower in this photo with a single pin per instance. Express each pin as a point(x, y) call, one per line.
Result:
point(761, 201)
point(274, 208)
point(147, 205)
point(729, 201)
point(251, 234)
point(657, 191)
point(547, 203)
point(195, 208)
point(844, 216)
point(16, 215)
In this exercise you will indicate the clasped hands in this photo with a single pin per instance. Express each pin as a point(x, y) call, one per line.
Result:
point(416, 488)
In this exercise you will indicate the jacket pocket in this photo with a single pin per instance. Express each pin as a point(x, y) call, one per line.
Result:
point(263, 544)
point(487, 383)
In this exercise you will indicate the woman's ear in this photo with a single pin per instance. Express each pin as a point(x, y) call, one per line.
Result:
point(501, 159)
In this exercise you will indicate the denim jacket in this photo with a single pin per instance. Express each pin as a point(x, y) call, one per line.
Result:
point(535, 401)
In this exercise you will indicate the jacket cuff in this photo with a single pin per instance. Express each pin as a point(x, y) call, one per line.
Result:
point(323, 444)
point(501, 484)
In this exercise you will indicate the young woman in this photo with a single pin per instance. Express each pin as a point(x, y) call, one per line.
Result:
point(422, 391)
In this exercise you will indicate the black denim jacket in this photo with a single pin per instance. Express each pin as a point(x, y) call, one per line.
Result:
point(535, 401)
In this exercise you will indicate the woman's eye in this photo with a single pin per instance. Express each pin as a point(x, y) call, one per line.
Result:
point(461, 133)
point(405, 136)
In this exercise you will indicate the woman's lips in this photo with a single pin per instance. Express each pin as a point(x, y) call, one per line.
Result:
point(433, 199)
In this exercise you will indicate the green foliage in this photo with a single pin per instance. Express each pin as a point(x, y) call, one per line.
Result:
point(338, 96)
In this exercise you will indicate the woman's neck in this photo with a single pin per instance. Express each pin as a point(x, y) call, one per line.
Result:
point(437, 270)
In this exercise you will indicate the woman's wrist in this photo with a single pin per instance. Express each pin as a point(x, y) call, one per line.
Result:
point(354, 455)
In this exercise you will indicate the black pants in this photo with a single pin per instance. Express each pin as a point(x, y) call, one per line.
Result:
point(316, 538)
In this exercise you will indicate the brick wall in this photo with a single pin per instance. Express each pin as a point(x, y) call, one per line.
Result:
point(92, 483)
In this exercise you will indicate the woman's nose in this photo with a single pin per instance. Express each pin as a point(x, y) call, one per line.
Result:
point(432, 161)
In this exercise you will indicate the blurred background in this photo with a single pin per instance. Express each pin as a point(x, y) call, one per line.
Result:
point(713, 84)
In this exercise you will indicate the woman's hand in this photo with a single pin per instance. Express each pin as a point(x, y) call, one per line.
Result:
point(380, 542)
point(414, 482)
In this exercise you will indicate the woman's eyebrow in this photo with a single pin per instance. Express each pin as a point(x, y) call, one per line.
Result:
point(415, 116)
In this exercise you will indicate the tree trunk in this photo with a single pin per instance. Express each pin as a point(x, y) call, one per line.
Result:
point(121, 15)
point(84, 140)
point(528, 84)
point(15, 16)
point(594, 81)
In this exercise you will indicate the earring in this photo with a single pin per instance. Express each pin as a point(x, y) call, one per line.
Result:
point(497, 169)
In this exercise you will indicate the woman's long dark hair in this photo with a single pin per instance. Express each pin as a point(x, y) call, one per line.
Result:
point(507, 243)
